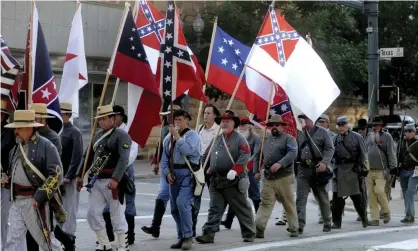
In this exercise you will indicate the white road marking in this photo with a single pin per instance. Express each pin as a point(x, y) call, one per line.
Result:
point(313, 239)
point(402, 245)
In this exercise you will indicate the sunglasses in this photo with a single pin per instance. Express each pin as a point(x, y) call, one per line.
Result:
point(341, 124)
point(409, 131)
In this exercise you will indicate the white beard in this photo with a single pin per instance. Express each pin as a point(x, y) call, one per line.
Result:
point(245, 134)
point(302, 123)
point(376, 137)
point(225, 130)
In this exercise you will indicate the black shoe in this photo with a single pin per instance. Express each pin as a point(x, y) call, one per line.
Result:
point(177, 245)
point(327, 228)
point(281, 223)
point(130, 219)
point(300, 230)
point(159, 211)
point(336, 226)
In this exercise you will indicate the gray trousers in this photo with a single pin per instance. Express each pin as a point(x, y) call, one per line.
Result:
point(24, 218)
point(70, 202)
point(101, 195)
point(306, 182)
point(5, 207)
point(239, 204)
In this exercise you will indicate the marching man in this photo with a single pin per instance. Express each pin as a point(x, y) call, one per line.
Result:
point(35, 174)
point(279, 153)
point(186, 156)
point(72, 151)
point(254, 140)
point(351, 167)
point(229, 182)
point(109, 157)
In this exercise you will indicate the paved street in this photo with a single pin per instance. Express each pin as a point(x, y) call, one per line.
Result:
point(351, 237)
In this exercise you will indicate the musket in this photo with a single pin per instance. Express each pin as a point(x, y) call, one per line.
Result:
point(45, 230)
point(398, 155)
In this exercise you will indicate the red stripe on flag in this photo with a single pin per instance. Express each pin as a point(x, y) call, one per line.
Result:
point(131, 70)
point(146, 117)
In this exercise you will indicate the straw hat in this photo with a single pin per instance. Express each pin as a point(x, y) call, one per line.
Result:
point(275, 119)
point(66, 107)
point(23, 118)
point(41, 111)
point(103, 111)
point(175, 108)
point(4, 107)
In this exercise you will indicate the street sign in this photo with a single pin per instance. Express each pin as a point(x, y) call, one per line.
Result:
point(388, 95)
point(391, 52)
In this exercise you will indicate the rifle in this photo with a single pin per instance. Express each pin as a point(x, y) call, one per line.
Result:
point(398, 154)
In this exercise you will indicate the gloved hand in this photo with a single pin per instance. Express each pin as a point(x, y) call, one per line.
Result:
point(231, 175)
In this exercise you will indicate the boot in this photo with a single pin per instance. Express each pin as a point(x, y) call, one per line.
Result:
point(177, 245)
point(227, 223)
point(259, 233)
point(326, 228)
point(256, 204)
point(67, 240)
point(123, 242)
point(159, 211)
point(109, 227)
point(187, 244)
point(386, 218)
point(104, 243)
point(373, 223)
point(130, 219)
point(206, 238)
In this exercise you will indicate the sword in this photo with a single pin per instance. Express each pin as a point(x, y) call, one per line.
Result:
point(44, 230)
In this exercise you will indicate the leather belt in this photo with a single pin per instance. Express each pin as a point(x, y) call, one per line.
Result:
point(106, 173)
point(180, 166)
point(20, 190)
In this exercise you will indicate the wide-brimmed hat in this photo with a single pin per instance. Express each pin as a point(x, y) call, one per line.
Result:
point(66, 107)
point(377, 121)
point(228, 115)
point(302, 116)
point(4, 107)
point(24, 118)
point(103, 111)
point(323, 118)
point(245, 121)
point(362, 123)
point(120, 111)
point(41, 110)
point(180, 112)
point(275, 119)
point(175, 108)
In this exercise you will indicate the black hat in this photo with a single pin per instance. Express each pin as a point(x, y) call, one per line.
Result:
point(362, 123)
point(228, 115)
point(179, 113)
point(245, 121)
point(377, 121)
point(118, 110)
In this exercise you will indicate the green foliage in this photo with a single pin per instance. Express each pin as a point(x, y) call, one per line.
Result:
point(339, 37)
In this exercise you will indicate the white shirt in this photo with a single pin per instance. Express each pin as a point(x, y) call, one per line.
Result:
point(206, 136)
point(133, 154)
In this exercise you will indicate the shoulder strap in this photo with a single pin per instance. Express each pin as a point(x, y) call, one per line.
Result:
point(108, 133)
point(343, 145)
point(227, 150)
point(30, 165)
point(201, 127)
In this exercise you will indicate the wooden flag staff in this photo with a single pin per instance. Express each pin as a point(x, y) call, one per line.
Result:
point(267, 119)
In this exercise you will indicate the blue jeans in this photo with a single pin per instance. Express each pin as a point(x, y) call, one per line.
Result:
point(163, 192)
point(409, 186)
point(130, 199)
point(181, 197)
point(254, 189)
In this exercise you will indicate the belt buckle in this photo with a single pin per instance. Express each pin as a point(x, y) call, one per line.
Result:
point(308, 162)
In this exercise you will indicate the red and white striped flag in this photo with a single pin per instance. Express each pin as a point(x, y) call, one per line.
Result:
point(9, 80)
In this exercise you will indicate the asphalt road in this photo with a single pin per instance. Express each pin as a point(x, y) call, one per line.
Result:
point(351, 237)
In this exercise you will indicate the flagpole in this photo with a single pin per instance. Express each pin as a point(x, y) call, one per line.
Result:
point(30, 85)
point(265, 128)
point(215, 25)
point(103, 92)
point(115, 91)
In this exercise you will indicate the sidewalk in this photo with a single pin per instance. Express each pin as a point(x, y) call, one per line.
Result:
point(143, 170)
point(396, 205)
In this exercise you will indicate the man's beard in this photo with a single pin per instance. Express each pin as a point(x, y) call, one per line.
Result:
point(376, 136)
point(225, 130)
point(275, 132)
point(18, 139)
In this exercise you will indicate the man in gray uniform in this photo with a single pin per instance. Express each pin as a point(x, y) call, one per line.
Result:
point(35, 174)
point(408, 171)
point(314, 171)
point(280, 151)
point(72, 151)
point(41, 114)
point(382, 158)
point(107, 162)
point(7, 143)
point(229, 181)
point(350, 168)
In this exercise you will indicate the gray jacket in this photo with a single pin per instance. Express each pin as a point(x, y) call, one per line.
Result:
point(282, 149)
point(322, 140)
point(72, 150)
point(381, 154)
point(44, 156)
point(254, 141)
point(52, 136)
point(118, 143)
